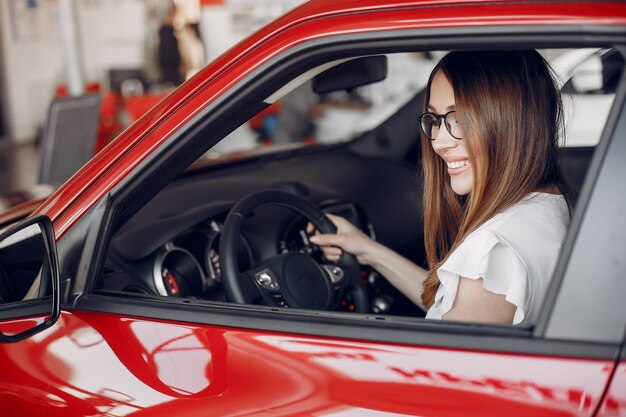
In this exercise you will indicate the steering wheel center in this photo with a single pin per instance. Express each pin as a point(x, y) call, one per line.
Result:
point(307, 283)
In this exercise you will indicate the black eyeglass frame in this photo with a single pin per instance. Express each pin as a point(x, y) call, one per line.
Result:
point(438, 118)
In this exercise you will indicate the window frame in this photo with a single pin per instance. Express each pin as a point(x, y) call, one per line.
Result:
point(400, 330)
point(560, 318)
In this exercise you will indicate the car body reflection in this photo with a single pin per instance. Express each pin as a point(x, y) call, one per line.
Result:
point(98, 364)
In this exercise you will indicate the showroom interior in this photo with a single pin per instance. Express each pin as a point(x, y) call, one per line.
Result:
point(96, 61)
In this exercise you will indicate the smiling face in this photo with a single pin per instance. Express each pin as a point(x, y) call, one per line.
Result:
point(452, 150)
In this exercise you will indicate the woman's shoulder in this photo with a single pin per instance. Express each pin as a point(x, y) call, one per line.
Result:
point(514, 252)
point(532, 228)
point(537, 211)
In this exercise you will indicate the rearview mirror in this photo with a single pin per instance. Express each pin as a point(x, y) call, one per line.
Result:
point(351, 74)
point(588, 76)
point(29, 280)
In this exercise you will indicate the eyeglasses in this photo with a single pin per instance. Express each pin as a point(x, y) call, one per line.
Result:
point(431, 122)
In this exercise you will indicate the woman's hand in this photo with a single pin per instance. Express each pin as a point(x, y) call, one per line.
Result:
point(398, 270)
point(348, 238)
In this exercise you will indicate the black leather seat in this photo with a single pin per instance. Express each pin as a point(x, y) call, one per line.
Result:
point(574, 164)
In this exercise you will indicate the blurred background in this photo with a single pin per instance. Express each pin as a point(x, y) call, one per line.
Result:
point(104, 62)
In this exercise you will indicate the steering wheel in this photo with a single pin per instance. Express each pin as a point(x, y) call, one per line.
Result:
point(291, 279)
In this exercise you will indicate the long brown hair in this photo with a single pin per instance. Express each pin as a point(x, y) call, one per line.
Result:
point(512, 117)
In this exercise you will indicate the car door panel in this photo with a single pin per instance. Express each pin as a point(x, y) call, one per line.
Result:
point(115, 364)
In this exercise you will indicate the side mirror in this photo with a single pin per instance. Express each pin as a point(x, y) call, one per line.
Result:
point(351, 74)
point(30, 299)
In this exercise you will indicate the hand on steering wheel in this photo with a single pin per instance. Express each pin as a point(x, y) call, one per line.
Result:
point(347, 237)
point(293, 280)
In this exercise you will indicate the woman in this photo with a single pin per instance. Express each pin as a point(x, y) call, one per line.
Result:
point(495, 206)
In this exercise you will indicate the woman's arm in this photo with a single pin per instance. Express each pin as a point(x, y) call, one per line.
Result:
point(403, 274)
point(474, 303)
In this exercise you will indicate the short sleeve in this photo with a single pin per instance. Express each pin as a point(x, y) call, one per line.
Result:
point(488, 257)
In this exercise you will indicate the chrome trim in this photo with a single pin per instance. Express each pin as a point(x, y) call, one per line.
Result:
point(334, 272)
point(266, 279)
point(157, 267)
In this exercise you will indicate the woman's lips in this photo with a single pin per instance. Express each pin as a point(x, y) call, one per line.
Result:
point(456, 167)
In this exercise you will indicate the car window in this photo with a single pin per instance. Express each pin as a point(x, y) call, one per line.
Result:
point(302, 117)
point(352, 153)
point(590, 77)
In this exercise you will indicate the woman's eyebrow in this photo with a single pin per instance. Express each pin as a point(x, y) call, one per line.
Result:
point(434, 110)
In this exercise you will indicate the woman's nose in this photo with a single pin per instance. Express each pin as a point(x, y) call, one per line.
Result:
point(444, 140)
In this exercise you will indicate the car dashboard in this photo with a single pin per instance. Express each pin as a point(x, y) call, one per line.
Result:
point(170, 248)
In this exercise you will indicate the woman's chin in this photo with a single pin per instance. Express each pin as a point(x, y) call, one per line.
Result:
point(461, 186)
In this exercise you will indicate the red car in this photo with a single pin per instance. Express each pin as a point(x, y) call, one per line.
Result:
point(128, 293)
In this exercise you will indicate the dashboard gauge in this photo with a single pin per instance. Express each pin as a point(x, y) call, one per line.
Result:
point(214, 263)
point(174, 284)
point(295, 238)
point(298, 240)
point(212, 258)
point(177, 273)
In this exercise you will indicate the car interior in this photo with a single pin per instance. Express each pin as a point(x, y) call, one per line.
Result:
point(342, 138)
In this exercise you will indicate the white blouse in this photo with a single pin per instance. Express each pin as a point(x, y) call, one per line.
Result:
point(514, 252)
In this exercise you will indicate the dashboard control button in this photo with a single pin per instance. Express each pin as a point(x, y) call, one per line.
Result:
point(278, 299)
point(334, 272)
point(266, 279)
